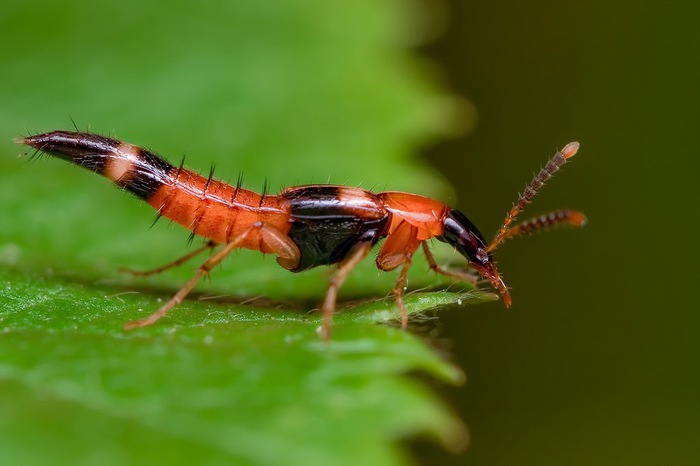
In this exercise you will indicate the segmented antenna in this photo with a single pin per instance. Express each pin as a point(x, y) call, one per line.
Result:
point(545, 221)
point(559, 159)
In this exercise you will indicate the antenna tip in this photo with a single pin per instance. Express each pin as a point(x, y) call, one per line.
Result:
point(577, 219)
point(570, 150)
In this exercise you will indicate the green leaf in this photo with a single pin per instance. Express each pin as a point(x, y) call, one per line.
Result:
point(293, 91)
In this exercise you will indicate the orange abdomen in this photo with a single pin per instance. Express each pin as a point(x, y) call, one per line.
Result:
point(216, 210)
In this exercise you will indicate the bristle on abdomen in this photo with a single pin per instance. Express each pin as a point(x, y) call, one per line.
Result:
point(137, 170)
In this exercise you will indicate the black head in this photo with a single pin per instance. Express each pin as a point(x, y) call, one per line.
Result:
point(465, 238)
point(461, 234)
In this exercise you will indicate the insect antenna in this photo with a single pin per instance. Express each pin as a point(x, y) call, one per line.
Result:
point(524, 198)
point(546, 221)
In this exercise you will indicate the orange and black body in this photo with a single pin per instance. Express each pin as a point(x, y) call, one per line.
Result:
point(304, 226)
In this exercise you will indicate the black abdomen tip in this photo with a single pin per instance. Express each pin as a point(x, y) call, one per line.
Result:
point(68, 145)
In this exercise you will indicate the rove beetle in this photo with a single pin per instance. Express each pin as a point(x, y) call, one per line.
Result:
point(304, 226)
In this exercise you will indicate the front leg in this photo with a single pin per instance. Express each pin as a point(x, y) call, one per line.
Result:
point(398, 250)
point(462, 275)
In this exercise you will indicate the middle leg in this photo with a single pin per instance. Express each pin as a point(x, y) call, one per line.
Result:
point(349, 263)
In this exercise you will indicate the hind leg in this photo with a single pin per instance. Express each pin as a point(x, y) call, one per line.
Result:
point(177, 262)
point(271, 240)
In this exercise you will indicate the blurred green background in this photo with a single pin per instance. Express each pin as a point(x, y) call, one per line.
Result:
point(597, 360)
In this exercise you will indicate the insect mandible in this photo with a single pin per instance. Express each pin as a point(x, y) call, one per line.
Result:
point(304, 226)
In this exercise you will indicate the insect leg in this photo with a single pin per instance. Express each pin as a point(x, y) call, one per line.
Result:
point(462, 275)
point(273, 241)
point(400, 289)
point(175, 263)
point(398, 250)
point(349, 263)
point(202, 271)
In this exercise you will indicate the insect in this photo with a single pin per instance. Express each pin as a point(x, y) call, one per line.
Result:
point(304, 226)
